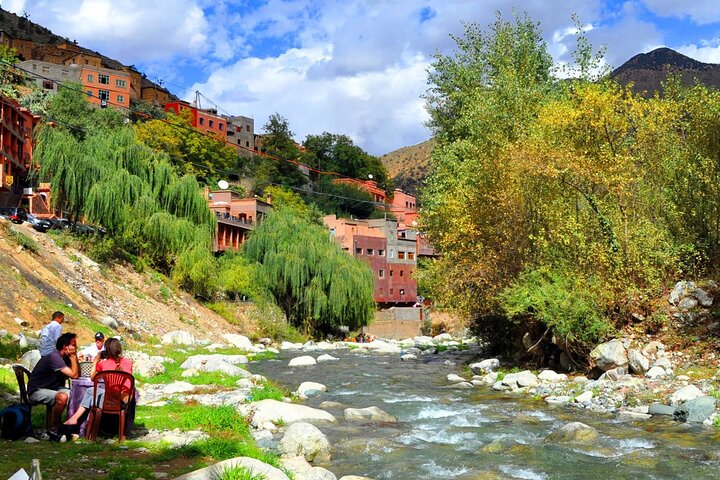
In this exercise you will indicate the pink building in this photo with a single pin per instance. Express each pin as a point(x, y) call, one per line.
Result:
point(236, 217)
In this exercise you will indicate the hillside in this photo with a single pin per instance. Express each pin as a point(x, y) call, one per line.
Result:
point(647, 71)
point(408, 166)
point(144, 305)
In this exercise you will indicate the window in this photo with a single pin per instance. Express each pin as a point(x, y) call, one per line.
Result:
point(247, 144)
point(211, 123)
point(358, 251)
point(401, 273)
point(401, 255)
point(411, 255)
point(121, 98)
point(381, 273)
point(392, 253)
point(402, 291)
point(45, 69)
point(104, 79)
point(34, 66)
point(120, 83)
point(202, 121)
point(89, 93)
point(370, 251)
point(91, 78)
point(391, 272)
point(381, 252)
point(47, 84)
point(392, 291)
point(247, 128)
point(104, 95)
point(221, 126)
point(64, 73)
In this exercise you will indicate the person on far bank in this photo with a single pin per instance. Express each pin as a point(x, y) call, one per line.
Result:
point(47, 380)
point(50, 333)
point(92, 351)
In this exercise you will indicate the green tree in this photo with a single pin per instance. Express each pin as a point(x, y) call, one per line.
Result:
point(280, 167)
point(316, 284)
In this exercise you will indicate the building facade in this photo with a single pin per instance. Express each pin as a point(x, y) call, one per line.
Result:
point(16, 128)
point(49, 76)
point(205, 120)
point(236, 217)
point(241, 132)
point(106, 87)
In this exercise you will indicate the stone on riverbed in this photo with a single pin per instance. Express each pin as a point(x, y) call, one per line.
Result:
point(239, 341)
point(660, 409)
point(304, 361)
point(302, 470)
point(408, 356)
point(552, 376)
point(305, 440)
point(558, 400)
point(310, 388)
point(609, 355)
point(485, 366)
point(327, 358)
point(520, 380)
point(575, 432)
point(256, 467)
point(655, 372)
point(688, 392)
point(696, 410)
point(354, 477)
point(638, 362)
point(373, 414)
point(198, 361)
point(454, 378)
point(274, 411)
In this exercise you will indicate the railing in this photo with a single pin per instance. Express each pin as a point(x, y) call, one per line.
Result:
point(227, 218)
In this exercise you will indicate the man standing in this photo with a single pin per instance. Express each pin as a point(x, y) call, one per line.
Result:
point(47, 380)
point(90, 352)
point(50, 333)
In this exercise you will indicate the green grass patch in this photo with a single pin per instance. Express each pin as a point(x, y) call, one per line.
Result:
point(265, 355)
point(267, 390)
point(23, 240)
point(239, 473)
point(224, 310)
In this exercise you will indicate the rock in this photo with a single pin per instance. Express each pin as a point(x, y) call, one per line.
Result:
point(306, 440)
point(584, 397)
point(21, 322)
point(109, 322)
point(454, 378)
point(327, 358)
point(687, 303)
point(30, 358)
point(558, 400)
point(613, 374)
point(354, 477)
point(652, 349)
point(373, 414)
point(519, 380)
point(288, 413)
point(575, 432)
point(462, 385)
point(485, 366)
point(443, 337)
point(681, 290)
point(180, 337)
point(551, 376)
point(256, 467)
point(408, 357)
point(178, 387)
point(609, 355)
point(304, 361)
point(655, 372)
point(239, 341)
point(302, 470)
point(660, 409)
point(629, 416)
point(638, 362)
point(696, 410)
point(310, 388)
point(663, 362)
point(703, 297)
point(381, 347)
point(499, 445)
point(686, 393)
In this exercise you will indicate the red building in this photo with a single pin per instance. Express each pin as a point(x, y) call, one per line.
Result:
point(205, 120)
point(236, 217)
point(16, 127)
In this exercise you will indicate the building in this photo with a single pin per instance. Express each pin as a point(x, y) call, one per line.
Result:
point(402, 205)
point(241, 132)
point(155, 94)
point(49, 76)
point(236, 217)
point(16, 129)
point(106, 87)
point(391, 255)
point(369, 186)
point(206, 120)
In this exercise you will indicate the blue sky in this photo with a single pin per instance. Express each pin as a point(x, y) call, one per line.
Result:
point(345, 66)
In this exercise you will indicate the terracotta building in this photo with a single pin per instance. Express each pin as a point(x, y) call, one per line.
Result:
point(16, 128)
point(106, 87)
point(236, 217)
point(206, 120)
point(155, 94)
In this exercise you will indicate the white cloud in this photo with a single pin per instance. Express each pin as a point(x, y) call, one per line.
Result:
point(701, 12)
point(708, 52)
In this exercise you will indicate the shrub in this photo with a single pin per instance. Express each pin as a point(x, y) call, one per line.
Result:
point(23, 240)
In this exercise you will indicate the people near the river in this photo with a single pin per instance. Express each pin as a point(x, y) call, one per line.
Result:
point(48, 379)
point(89, 353)
point(50, 333)
point(112, 360)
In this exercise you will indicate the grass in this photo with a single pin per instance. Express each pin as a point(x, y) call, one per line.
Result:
point(173, 372)
point(74, 317)
point(239, 473)
point(23, 240)
point(267, 390)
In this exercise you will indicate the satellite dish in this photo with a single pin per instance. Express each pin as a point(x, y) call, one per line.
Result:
point(370, 176)
point(223, 184)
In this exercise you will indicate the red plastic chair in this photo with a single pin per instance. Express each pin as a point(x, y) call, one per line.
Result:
point(119, 391)
point(23, 376)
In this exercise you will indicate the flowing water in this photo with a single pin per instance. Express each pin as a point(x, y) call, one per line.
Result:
point(479, 433)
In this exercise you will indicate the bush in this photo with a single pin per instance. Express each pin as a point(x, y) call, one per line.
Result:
point(23, 240)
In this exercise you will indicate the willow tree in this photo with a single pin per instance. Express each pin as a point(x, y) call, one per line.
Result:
point(313, 280)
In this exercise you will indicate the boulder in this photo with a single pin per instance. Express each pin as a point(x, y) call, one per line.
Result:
point(660, 409)
point(454, 378)
point(381, 347)
point(688, 392)
point(638, 362)
point(552, 376)
point(310, 388)
point(696, 410)
point(109, 322)
point(274, 411)
point(143, 365)
point(520, 380)
point(681, 290)
point(239, 341)
point(197, 361)
point(584, 397)
point(178, 387)
point(30, 358)
point(443, 337)
point(485, 366)
point(285, 345)
point(302, 470)
point(655, 372)
point(609, 355)
point(303, 361)
point(354, 477)
point(305, 440)
point(653, 348)
point(327, 358)
point(565, 362)
point(179, 337)
point(256, 467)
point(703, 297)
point(408, 357)
point(372, 414)
point(575, 432)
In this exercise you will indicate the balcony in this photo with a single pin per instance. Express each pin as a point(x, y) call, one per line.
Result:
point(228, 219)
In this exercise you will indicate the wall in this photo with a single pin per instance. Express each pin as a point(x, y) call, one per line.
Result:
point(397, 323)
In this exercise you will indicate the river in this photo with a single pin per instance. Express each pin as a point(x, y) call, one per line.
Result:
point(479, 433)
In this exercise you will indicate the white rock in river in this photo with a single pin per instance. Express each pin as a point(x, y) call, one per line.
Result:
point(575, 432)
point(309, 388)
point(638, 362)
point(487, 365)
point(686, 393)
point(521, 379)
point(370, 413)
point(452, 377)
point(354, 477)
point(302, 470)
point(380, 346)
point(256, 468)
point(274, 411)
point(306, 440)
point(408, 356)
point(584, 397)
point(327, 358)
point(304, 361)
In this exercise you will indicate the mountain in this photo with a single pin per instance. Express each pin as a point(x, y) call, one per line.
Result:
point(408, 166)
point(647, 71)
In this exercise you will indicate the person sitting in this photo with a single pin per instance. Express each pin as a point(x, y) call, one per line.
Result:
point(89, 353)
point(50, 333)
point(47, 380)
point(113, 360)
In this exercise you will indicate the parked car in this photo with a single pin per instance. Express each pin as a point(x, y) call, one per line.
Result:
point(14, 214)
point(85, 229)
point(39, 224)
point(60, 223)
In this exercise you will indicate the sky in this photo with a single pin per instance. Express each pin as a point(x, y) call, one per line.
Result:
point(349, 67)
